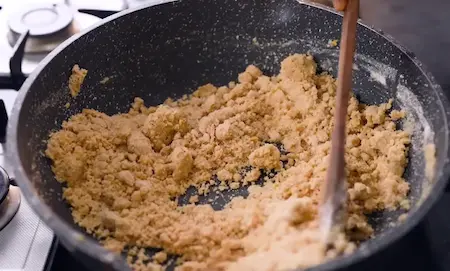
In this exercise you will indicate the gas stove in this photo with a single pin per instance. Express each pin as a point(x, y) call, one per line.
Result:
point(29, 29)
point(26, 241)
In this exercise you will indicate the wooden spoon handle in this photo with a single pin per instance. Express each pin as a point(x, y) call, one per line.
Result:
point(334, 192)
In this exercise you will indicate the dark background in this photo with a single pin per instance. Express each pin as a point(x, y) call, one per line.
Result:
point(422, 26)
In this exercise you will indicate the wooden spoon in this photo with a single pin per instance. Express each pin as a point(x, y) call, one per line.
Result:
point(332, 211)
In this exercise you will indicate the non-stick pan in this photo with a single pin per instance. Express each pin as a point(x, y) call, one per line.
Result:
point(169, 49)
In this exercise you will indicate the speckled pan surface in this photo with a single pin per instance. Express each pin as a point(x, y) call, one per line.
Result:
point(168, 50)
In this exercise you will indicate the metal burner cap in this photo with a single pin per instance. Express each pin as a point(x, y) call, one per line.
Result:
point(41, 20)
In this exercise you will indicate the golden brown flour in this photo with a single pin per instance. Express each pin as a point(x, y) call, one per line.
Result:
point(124, 171)
point(76, 80)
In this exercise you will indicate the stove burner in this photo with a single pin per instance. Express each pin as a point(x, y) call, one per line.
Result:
point(10, 199)
point(48, 26)
point(10, 206)
point(41, 20)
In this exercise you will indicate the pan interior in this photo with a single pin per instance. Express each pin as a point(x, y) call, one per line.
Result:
point(154, 55)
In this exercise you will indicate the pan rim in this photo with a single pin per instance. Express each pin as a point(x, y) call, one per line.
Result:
point(75, 241)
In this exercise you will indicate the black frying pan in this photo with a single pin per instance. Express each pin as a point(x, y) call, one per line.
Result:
point(156, 52)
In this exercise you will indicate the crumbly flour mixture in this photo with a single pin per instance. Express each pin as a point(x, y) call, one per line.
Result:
point(76, 80)
point(124, 172)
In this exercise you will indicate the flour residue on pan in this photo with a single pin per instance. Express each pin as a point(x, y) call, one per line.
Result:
point(422, 134)
point(379, 72)
point(421, 127)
